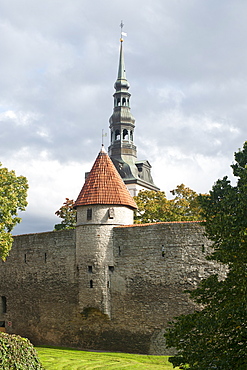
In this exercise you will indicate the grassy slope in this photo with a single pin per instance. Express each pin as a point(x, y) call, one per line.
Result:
point(57, 359)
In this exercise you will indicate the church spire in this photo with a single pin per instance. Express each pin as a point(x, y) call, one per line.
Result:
point(121, 82)
point(122, 151)
point(122, 123)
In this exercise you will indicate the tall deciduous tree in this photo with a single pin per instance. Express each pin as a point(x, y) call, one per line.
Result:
point(13, 195)
point(68, 215)
point(185, 204)
point(215, 337)
point(153, 206)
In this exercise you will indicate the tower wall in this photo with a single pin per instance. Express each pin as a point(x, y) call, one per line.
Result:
point(94, 253)
point(101, 215)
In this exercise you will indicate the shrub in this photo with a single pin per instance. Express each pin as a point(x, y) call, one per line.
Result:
point(17, 353)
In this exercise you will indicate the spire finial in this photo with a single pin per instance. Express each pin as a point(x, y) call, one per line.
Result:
point(104, 134)
point(122, 33)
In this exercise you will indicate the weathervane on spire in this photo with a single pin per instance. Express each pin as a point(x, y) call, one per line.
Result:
point(122, 33)
point(104, 134)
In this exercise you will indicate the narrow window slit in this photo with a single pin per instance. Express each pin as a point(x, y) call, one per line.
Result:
point(89, 214)
point(4, 304)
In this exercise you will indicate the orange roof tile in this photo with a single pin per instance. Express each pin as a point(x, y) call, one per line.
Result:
point(104, 185)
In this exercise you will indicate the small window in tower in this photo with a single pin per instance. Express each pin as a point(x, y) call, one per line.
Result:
point(25, 258)
point(111, 213)
point(118, 102)
point(124, 101)
point(111, 268)
point(131, 135)
point(91, 283)
point(4, 304)
point(125, 134)
point(90, 269)
point(163, 251)
point(117, 135)
point(89, 214)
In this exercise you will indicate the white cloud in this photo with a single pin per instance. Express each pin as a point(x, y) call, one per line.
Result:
point(50, 182)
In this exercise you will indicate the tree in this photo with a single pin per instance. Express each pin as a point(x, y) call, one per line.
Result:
point(215, 337)
point(153, 206)
point(186, 206)
point(68, 215)
point(13, 194)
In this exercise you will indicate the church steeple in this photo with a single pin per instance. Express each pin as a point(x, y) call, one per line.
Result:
point(122, 123)
point(122, 150)
point(121, 82)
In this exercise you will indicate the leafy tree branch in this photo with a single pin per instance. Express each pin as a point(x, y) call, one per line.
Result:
point(13, 195)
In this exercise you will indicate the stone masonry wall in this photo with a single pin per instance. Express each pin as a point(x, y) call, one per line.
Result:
point(50, 301)
point(100, 215)
point(40, 285)
point(154, 264)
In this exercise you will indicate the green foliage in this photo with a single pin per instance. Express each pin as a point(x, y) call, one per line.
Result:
point(186, 205)
point(13, 194)
point(68, 215)
point(17, 353)
point(215, 337)
point(153, 206)
point(58, 359)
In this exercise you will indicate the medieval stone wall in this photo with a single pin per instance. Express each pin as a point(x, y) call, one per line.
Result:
point(154, 264)
point(46, 284)
point(40, 285)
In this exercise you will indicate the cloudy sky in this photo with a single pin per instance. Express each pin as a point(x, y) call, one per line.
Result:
point(186, 61)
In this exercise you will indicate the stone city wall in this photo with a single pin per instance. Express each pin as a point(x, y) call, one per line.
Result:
point(40, 285)
point(49, 298)
point(154, 264)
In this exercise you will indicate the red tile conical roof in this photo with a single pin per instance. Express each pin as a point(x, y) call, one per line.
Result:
point(104, 185)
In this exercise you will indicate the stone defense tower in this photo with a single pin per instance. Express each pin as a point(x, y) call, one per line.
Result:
point(122, 151)
point(103, 203)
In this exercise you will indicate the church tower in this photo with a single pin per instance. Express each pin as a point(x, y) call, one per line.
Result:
point(103, 203)
point(122, 150)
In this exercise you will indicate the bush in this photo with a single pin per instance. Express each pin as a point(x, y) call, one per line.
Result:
point(17, 353)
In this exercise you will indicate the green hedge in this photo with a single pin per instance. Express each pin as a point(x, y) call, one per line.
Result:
point(17, 353)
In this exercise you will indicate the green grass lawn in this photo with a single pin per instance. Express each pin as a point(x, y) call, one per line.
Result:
point(68, 359)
